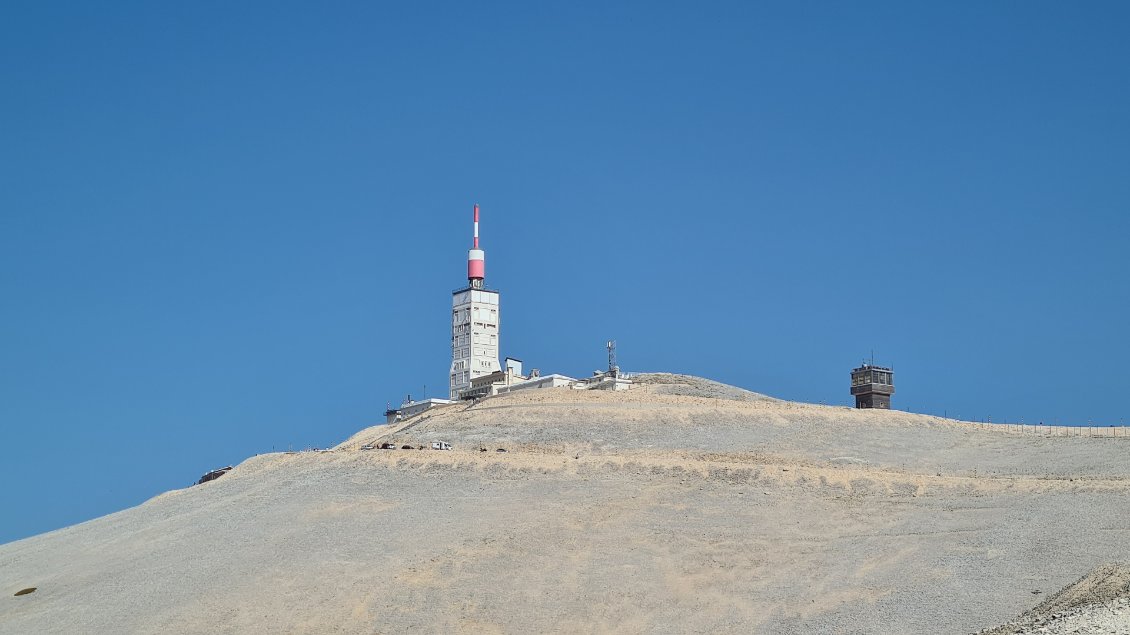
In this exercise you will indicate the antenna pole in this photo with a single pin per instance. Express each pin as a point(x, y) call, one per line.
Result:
point(476, 259)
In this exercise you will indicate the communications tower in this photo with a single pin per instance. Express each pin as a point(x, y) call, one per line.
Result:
point(474, 323)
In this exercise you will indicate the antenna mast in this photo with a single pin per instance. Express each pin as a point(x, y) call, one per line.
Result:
point(476, 259)
point(613, 369)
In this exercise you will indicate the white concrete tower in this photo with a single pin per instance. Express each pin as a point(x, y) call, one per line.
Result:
point(474, 324)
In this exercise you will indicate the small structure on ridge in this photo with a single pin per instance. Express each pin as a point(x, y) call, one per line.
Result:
point(872, 386)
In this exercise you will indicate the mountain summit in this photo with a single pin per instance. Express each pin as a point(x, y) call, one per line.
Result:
point(682, 505)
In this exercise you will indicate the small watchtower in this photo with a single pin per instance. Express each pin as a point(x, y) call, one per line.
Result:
point(872, 386)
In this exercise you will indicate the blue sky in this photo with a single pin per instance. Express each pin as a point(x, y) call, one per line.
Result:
point(231, 228)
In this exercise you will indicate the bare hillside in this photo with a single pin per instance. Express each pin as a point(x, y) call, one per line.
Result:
point(680, 506)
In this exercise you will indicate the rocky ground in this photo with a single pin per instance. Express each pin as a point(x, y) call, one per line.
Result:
point(680, 506)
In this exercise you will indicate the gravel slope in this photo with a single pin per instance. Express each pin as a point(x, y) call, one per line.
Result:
point(679, 506)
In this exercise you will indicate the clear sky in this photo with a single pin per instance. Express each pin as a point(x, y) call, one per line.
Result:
point(227, 228)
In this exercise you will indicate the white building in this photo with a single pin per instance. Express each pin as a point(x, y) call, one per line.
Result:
point(474, 324)
point(542, 381)
point(604, 381)
point(412, 408)
point(489, 385)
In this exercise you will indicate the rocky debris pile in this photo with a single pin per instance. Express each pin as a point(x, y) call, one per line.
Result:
point(1108, 618)
point(1099, 602)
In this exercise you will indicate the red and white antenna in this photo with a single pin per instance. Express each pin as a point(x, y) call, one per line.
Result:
point(476, 259)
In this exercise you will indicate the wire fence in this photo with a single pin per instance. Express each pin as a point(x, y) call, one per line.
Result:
point(1096, 432)
point(1110, 431)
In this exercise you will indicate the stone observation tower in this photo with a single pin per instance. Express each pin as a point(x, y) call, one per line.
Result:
point(872, 386)
point(474, 323)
